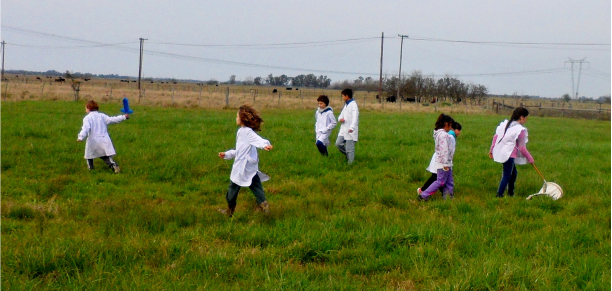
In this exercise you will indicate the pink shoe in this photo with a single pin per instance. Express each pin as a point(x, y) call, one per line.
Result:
point(419, 191)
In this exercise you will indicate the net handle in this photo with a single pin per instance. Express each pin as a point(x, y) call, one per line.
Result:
point(536, 168)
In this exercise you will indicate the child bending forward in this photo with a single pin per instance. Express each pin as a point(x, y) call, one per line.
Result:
point(99, 144)
point(245, 171)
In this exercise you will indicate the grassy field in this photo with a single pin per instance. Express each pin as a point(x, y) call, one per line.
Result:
point(155, 226)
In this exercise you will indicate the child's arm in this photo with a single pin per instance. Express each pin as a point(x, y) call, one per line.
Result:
point(522, 146)
point(115, 119)
point(443, 151)
point(228, 155)
point(492, 146)
point(355, 120)
point(258, 142)
point(331, 121)
point(84, 130)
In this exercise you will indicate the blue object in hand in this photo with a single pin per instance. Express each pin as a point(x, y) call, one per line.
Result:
point(126, 107)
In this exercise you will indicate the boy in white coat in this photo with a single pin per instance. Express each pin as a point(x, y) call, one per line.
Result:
point(349, 126)
point(99, 144)
point(245, 171)
point(325, 122)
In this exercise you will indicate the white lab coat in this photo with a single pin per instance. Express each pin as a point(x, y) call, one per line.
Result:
point(350, 113)
point(505, 143)
point(245, 157)
point(325, 122)
point(98, 143)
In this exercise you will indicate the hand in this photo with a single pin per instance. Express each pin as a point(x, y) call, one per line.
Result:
point(446, 168)
point(490, 155)
point(127, 116)
point(341, 120)
point(79, 140)
point(268, 147)
point(350, 130)
point(222, 155)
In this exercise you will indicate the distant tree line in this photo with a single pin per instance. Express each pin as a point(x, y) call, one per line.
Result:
point(419, 88)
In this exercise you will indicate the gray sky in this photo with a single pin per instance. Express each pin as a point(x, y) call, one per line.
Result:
point(330, 38)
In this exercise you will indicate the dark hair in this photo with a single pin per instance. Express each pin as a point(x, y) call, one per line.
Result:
point(250, 117)
point(92, 105)
point(347, 92)
point(456, 125)
point(324, 99)
point(442, 120)
point(516, 115)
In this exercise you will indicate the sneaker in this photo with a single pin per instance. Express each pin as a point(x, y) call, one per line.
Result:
point(265, 207)
point(115, 168)
point(419, 198)
point(419, 191)
point(227, 211)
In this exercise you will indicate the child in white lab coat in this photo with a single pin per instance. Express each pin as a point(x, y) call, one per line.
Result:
point(349, 126)
point(99, 144)
point(325, 121)
point(245, 171)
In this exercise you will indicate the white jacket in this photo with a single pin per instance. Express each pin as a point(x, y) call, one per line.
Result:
point(432, 168)
point(245, 157)
point(95, 129)
point(325, 122)
point(350, 113)
point(505, 144)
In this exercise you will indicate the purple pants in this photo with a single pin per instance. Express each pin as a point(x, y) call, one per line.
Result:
point(445, 182)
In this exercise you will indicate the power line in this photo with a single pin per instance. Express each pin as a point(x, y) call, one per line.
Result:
point(508, 43)
point(290, 44)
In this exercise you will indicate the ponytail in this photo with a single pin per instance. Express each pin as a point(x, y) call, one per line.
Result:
point(516, 115)
point(443, 119)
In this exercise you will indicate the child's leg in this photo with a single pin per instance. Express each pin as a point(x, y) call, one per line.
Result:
point(108, 161)
point(440, 181)
point(232, 195)
point(449, 186)
point(512, 180)
point(350, 151)
point(322, 148)
point(90, 164)
point(430, 181)
point(506, 177)
point(111, 164)
point(340, 144)
point(257, 190)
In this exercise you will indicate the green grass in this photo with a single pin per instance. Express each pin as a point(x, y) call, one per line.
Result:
point(332, 226)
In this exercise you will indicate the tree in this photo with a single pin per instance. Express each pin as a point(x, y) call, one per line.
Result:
point(257, 81)
point(566, 97)
point(232, 79)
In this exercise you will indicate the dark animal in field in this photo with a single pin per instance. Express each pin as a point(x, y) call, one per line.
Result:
point(175, 82)
point(391, 99)
point(86, 80)
point(37, 78)
point(125, 81)
point(411, 100)
point(133, 81)
point(274, 91)
point(151, 82)
point(289, 88)
point(297, 89)
point(60, 80)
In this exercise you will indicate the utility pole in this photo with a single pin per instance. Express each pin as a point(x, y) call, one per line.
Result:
point(382, 40)
point(581, 61)
point(140, 68)
point(3, 43)
point(399, 81)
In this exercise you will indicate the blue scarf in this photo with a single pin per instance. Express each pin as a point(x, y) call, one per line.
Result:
point(347, 102)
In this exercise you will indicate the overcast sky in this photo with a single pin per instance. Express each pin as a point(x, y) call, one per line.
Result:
point(205, 40)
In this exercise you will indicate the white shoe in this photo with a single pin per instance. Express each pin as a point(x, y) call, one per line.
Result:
point(116, 168)
point(419, 191)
